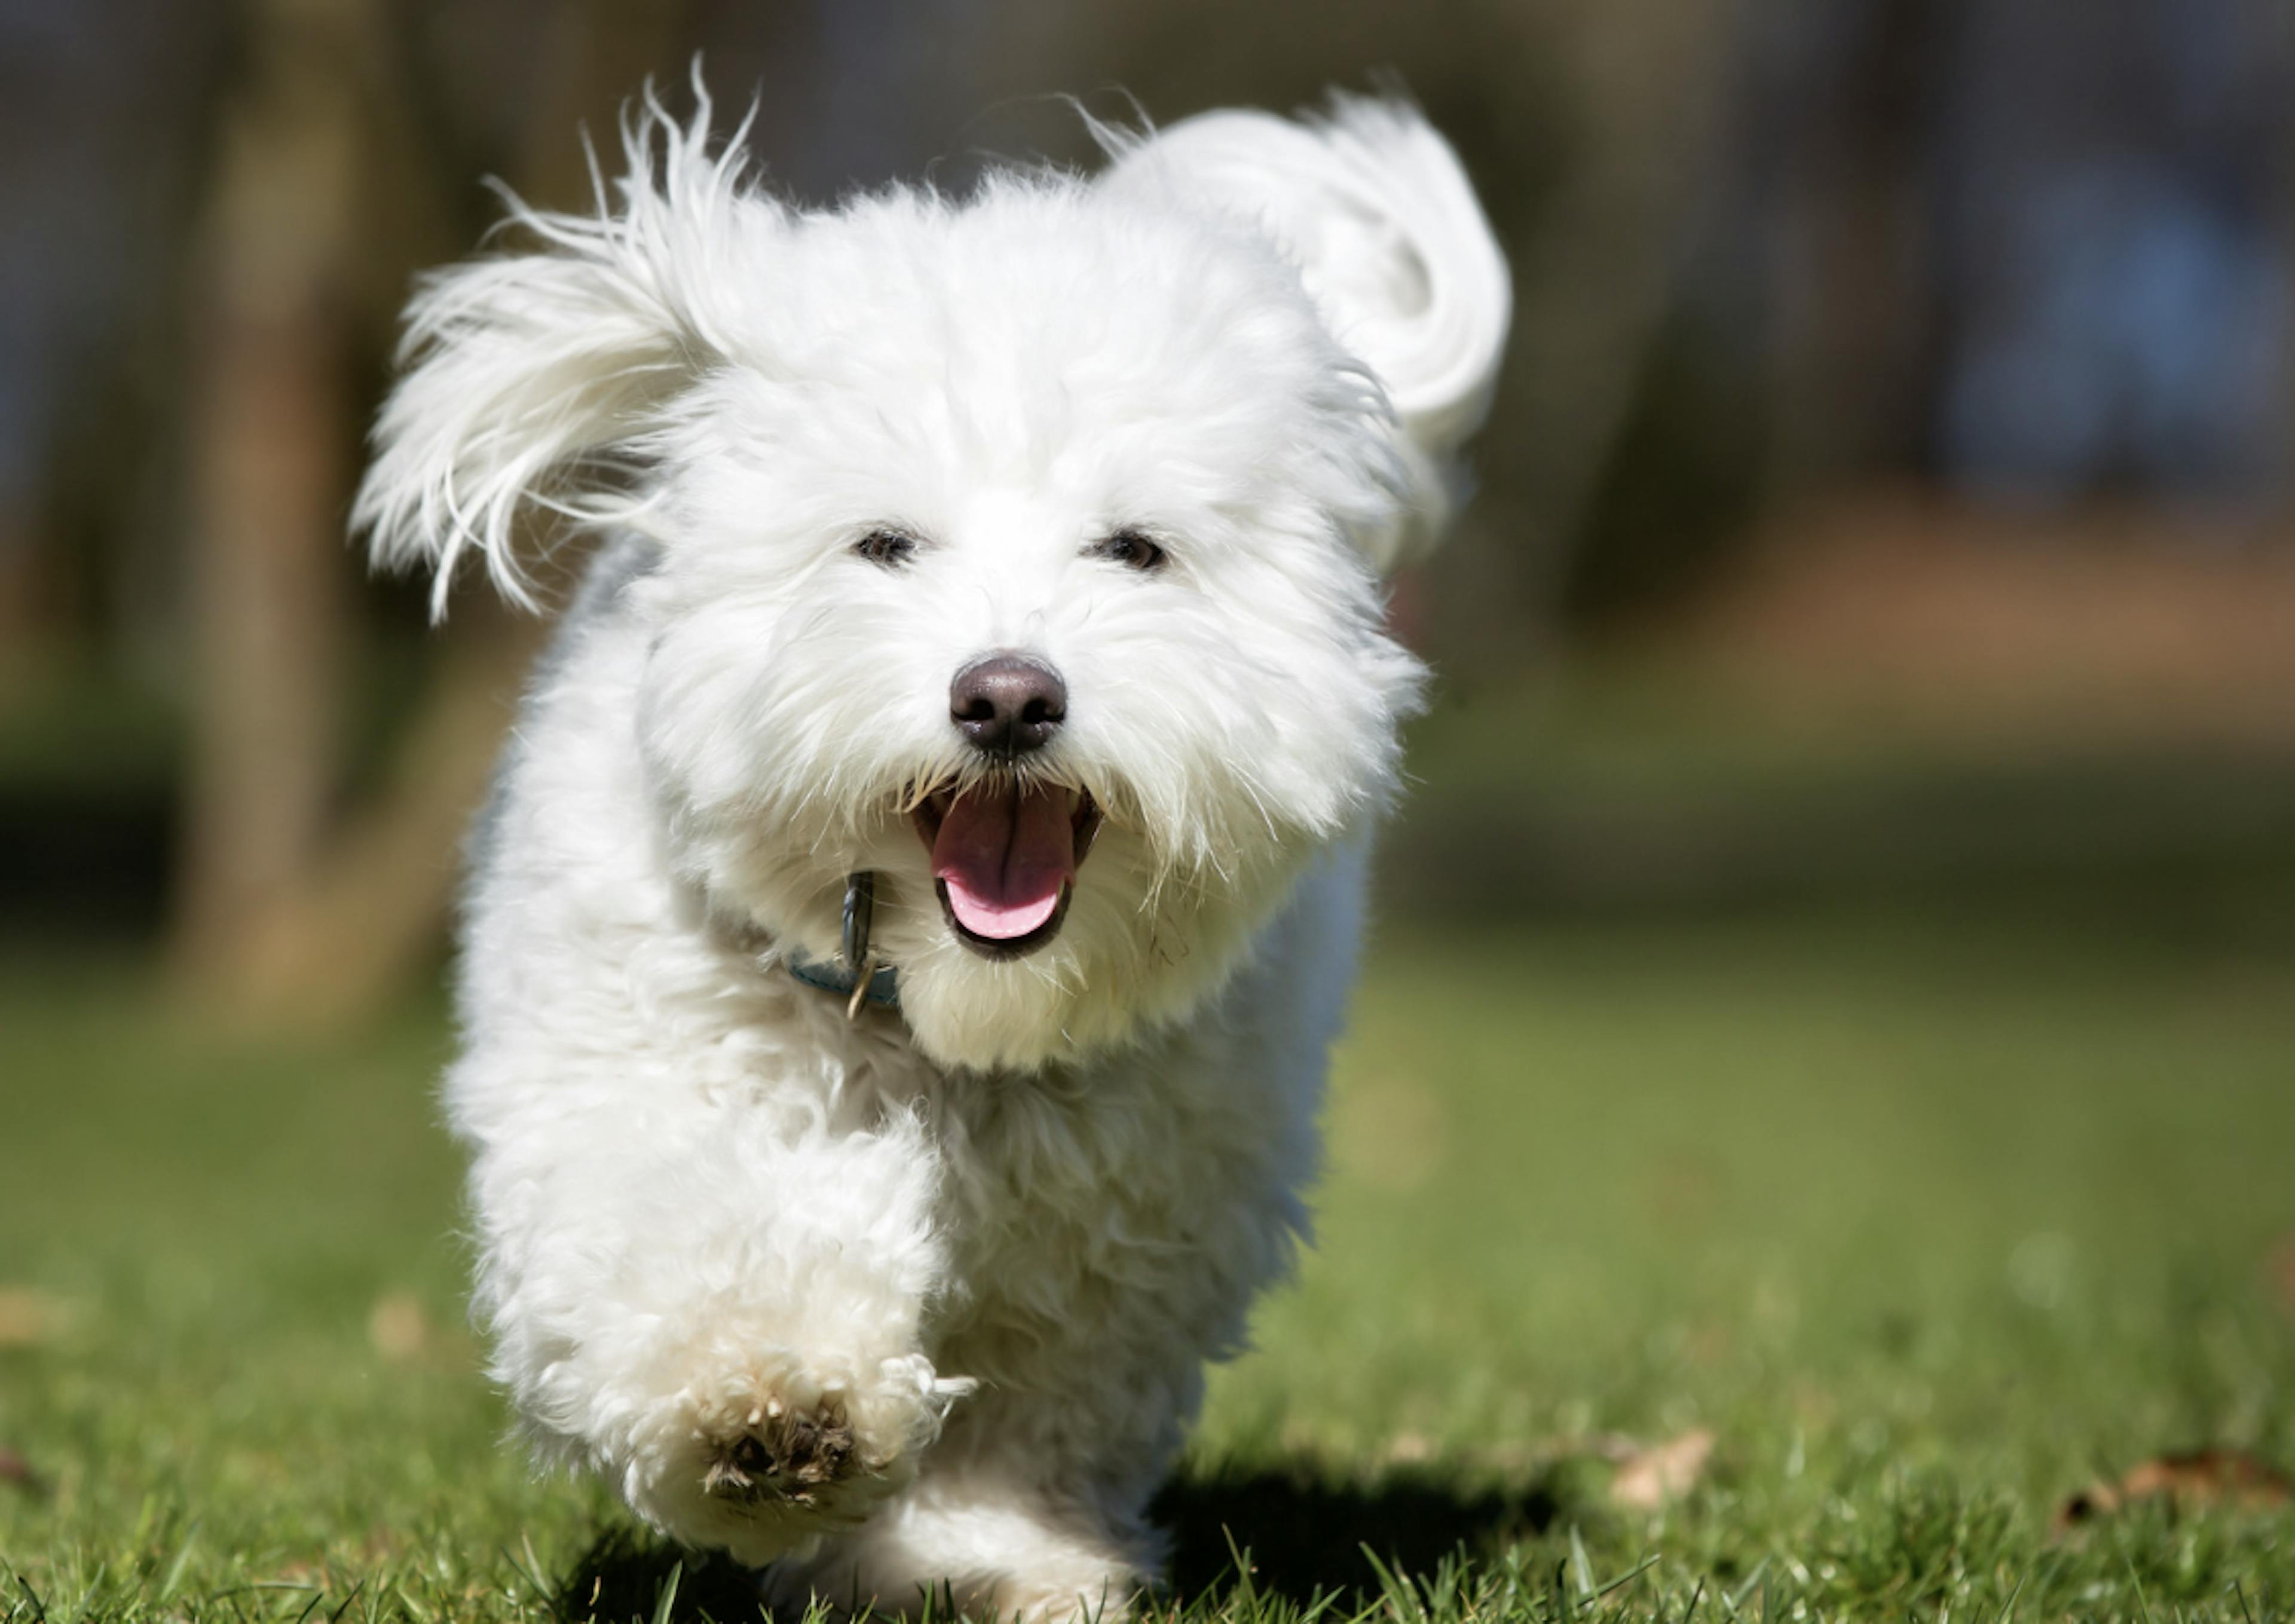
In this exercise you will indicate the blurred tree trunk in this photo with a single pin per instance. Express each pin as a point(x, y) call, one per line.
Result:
point(25, 605)
point(271, 410)
point(2273, 26)
point(363, 916)
point(1655, 81)
point(291, 906)
point(1856, 299)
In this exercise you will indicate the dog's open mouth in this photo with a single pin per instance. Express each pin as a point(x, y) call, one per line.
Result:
point(1004, 860)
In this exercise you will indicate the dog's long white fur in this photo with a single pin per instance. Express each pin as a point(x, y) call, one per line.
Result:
point(995, 1236)
point(1373, 205)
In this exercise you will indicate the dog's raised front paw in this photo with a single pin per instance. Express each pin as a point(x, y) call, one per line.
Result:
point(786, 1455)
point(783, 1451)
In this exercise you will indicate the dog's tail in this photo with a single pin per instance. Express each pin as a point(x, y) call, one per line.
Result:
point(1390, 243)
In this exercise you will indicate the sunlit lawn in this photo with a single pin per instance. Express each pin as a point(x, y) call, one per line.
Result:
point(1931, 1217)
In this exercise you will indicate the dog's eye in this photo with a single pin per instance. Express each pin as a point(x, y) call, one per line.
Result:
point(889, 548)
point(1131, 548)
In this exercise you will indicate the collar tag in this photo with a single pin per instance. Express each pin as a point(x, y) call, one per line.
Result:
point(855, 976)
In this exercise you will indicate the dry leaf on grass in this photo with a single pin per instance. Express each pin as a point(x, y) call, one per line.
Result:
point(15, 1469)
point(1409, 1449)
point(399, 1327)
point(2202, 1477)
point(2279, 1271)
point(28, 1318)
point(1663, 1473)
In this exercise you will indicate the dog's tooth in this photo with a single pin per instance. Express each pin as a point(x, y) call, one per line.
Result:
point(773, 1409)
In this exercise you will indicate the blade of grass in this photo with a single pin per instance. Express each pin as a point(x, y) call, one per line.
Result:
point(667, 1599)
point(175, 1574)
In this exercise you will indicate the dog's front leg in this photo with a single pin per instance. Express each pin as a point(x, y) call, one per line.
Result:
point(715, 1302)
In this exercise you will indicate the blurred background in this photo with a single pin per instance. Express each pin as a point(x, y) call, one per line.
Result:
point(1890, 503)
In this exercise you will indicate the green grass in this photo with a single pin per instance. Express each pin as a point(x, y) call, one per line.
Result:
point(1933, 1221)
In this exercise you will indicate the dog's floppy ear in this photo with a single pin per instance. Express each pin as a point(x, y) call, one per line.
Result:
point(1389, 240)
point(536, 378)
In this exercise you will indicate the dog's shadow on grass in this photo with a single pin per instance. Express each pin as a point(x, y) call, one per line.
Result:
point(625, 1575)
point(1304, 1536)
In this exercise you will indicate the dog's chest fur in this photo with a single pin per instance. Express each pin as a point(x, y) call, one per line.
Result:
point(1117, 1203)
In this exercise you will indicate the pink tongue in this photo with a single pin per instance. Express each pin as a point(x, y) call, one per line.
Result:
point(1005, 855)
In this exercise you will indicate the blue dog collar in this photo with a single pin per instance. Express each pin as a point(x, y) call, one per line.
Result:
point(883, 988)
point(855, 977)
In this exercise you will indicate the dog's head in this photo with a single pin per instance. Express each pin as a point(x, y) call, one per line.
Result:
point(1022, 550)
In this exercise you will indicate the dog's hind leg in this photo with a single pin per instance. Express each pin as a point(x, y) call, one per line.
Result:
point(995, 1547)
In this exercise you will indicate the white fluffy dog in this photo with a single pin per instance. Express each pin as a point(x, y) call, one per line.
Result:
point(903, 948)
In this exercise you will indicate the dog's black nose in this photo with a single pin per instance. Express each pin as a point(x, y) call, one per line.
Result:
point(1008, 703)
